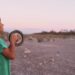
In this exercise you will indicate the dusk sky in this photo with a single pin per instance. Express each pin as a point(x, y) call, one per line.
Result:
point(38, 15)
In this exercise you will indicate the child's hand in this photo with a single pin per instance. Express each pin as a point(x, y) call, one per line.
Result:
point(13, 39)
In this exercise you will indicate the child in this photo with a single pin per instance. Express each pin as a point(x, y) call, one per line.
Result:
point(6, 53)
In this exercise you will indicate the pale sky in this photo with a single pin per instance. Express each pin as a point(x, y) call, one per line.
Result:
point(37, 15)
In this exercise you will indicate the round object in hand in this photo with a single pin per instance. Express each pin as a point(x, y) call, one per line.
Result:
point(19, 35)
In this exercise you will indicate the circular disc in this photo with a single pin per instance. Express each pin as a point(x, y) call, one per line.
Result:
point(19, 35)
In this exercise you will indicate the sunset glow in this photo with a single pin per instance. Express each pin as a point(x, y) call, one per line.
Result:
point(38, 15)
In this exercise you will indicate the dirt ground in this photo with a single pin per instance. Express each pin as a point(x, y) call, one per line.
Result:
point(45, 58)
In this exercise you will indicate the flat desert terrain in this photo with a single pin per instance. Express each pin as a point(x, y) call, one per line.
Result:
point(45, 58)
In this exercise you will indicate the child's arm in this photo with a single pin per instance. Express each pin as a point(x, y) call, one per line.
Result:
point(10, 52)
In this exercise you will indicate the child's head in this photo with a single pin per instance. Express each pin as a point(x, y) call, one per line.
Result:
point(1, 27)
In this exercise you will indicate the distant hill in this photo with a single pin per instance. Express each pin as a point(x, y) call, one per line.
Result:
point(57, 33)
point(47, 36)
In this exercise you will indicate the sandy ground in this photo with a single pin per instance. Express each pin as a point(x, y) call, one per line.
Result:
point(45, 58)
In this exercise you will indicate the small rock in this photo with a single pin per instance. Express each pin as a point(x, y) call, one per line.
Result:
point(27, 51)
point(40, 64)
point(52, 59)
point(25, 56)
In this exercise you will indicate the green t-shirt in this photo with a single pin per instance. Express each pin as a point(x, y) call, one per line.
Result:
point(4, 62)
